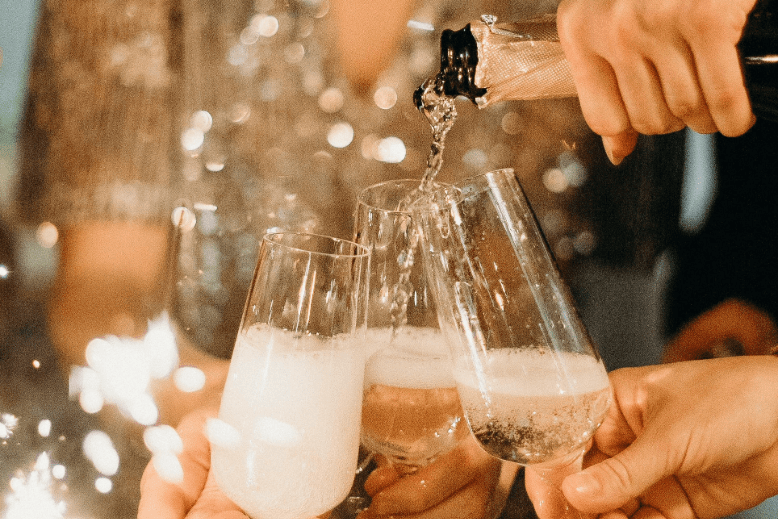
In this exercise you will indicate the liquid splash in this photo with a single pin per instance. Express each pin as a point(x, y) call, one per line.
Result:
point(440, 111)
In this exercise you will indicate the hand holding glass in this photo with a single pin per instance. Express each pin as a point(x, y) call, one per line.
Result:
point(286, 442)
point(533, 387)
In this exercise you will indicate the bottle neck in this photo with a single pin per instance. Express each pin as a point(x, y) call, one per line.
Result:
point(758, 49)
point(458, 61)
point(761, 31)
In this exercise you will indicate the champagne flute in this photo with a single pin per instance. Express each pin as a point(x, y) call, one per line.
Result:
point(533, 387)
point(411, 412)
point(286, 440)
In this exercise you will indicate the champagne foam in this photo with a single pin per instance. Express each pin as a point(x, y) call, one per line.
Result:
point(532, 372)
point(417, 358)
point(289, 419)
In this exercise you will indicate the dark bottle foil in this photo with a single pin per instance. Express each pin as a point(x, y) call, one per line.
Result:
point(759, 51)
point(458, 60)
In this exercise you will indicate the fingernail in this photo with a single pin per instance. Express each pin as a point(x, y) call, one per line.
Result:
point(584, 483)
point(608, 145)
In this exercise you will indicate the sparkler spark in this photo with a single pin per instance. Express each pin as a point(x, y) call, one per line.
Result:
point(31, 496)
point(99, 449)
point(165, 444)
point(8, 423)
point(121, 369)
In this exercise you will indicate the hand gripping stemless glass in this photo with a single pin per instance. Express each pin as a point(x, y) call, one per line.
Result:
point(411, 412)
point(533, 387)
point(286, 441)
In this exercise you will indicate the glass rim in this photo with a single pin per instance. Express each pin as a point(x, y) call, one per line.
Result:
point(472, 180)
point(400, 181)
point(359, 251)
point(478, 184)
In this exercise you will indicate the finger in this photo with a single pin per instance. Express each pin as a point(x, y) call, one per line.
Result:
point(619, 146)
point(721, 80)
point(667, 497)
point(616, 514)
point(549, 502)
point(381, 478)
point(681, 88)
point(213, 504)
point(748, 325)
point(164, 499)
point(647, 512)
point(434, 483)
point(472, 500)
point(613, 482)
point(643, 98)
point(627, 509)
point(160, 499)
point(601, 102)
point(617, 432)
point(595, 80)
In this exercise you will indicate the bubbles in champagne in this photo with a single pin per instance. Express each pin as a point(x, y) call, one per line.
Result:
point(418, 358)
point(410, 412)
point(530, 406)
point(554, 427)
point(289, 419)
point(403, 288)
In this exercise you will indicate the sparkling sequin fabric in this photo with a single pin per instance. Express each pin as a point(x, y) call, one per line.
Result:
point(253, 116)
point(96, 139)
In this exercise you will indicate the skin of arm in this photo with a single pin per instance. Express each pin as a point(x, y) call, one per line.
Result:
point(108, 283)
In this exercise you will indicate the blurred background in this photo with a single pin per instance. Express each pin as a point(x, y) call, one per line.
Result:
point(622, 304)
point(17, 28)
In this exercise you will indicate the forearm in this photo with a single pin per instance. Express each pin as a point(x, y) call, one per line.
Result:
point(108, 282)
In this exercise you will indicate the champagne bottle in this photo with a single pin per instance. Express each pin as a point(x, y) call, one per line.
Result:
point(759, 51)
point(489, 62)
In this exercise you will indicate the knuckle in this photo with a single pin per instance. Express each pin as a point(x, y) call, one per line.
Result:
point(706, 21)
point(703, 125)
point(620, 474)
point(656, 123)
point(700, 21)
point(623, 31)
point(722, 100)
point(572, 24)
point(648, 126)
point(684, 108)
point(727, 103)
point(657, 17)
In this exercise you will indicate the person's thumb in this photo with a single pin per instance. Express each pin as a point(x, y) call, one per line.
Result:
point(613, 482)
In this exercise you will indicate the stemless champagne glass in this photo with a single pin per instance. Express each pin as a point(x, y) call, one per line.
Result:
point(411, 412)
point(532, 385)
point(286, 441)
